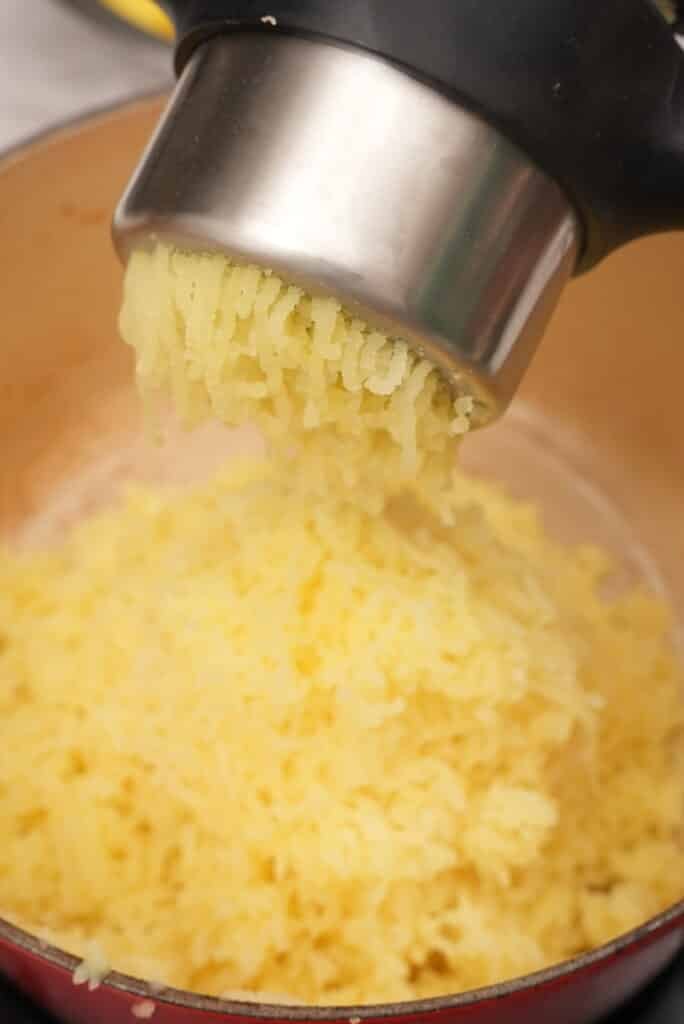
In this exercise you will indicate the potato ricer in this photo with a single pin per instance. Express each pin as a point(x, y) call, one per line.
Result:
point(443, 167)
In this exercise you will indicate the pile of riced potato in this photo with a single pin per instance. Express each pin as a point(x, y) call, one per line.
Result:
point(339, 725)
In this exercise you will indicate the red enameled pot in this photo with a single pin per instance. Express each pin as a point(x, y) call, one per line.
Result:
point(609, 377)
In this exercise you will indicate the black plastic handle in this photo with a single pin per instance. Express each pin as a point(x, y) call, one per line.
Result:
point(592, 92)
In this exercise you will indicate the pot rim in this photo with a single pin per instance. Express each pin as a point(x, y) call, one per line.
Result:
point(29, 943)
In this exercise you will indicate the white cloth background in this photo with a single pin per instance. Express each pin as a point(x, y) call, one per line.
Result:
point(56, 63)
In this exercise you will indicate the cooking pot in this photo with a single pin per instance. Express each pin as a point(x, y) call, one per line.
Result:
point(596, 436)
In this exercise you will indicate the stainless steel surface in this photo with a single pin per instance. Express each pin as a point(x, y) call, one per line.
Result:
point(352, 178)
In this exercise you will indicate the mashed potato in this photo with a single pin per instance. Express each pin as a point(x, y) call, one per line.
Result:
point(252, 743)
